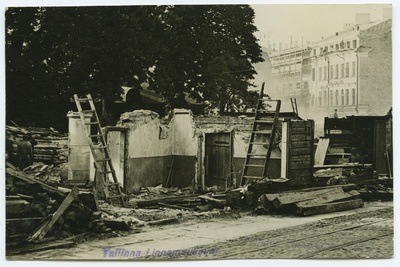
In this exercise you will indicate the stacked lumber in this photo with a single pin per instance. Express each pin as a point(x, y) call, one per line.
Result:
point(36, 210)
point(51, 147)
point(313, 201)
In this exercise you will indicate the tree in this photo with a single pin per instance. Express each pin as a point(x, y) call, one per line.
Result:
point(55, 52)
point(208, 52)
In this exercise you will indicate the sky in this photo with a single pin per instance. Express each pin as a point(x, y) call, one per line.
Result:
point(305, 22)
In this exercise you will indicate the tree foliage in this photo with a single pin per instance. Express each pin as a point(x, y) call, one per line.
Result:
point(206, 51)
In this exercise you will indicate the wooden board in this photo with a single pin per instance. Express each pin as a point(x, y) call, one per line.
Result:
point(291, 198)
point(320, 153)
point(332, 207)
point(335, 196)
point(43, 229)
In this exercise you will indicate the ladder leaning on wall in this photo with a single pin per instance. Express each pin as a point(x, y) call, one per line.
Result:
point(100, 151)
point(262, 135)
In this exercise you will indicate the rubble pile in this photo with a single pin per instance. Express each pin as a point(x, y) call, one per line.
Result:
point(356, 173)
point(37, 210)
point(184, 199)
point(382, 190)
point(51, 147)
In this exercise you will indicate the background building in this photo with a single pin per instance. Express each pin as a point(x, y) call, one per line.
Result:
point(347, 73)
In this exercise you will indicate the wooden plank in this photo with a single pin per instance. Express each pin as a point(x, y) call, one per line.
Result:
point(295, 165)
point(301, 144)
point(46, 246)
point(332, 207)
point(334, 196)
point(301, 124)
point(174, 206)
point(306, 158)
point(300, 137)
point(345, 187)
point(31, 180)
point(219, 201)
point(300, 130)
point(43, 229)
point(152, 202)
point(344, 166)
point(289, 198)
point(301, 151)
point(285, 148)
point(320, 153)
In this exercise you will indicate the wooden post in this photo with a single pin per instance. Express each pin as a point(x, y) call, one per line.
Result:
point(45, 227)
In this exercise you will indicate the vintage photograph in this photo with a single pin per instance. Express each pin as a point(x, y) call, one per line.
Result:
point(198, 132)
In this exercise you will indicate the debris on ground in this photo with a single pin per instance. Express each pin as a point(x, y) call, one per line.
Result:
point(382, 191)
point(355, 173)
point(311, 201)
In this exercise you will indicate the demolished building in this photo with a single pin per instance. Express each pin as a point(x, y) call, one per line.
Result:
point(198, 151)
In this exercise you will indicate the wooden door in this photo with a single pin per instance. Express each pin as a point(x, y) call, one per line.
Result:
point(218, 159)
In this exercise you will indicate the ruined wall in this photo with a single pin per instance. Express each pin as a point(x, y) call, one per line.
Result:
point(241, 128)
point(154, 148)
point(147, 156)
point(184, 148)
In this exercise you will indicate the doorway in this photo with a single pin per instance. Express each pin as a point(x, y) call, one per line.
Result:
point(218, 159)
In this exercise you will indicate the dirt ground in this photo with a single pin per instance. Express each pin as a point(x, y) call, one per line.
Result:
point(366, 232)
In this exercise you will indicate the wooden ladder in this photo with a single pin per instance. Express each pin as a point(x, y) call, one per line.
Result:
point(264, 127)
point(293, 101)
point(100, 151)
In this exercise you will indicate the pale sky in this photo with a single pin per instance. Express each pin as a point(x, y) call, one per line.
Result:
point(279, 22)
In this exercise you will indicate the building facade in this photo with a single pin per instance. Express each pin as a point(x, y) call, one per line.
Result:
point(348, 73)
point(290, 74)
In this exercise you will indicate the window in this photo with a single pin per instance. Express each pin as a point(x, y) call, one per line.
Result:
point(353, 68)
point(325, 73)
point(337, 46)
point(347, 97)
point(321, 50)
point(353, 96)
point(313, 74)
point(319, 99)
point(330, 98)
point(320, 74)
point(342, 97)
point(336, 98)
point(331, 73)
point(326, 49)
point(314, 51)
point(354, 43)
point(336, 71)
point(347, 69)
point(342, 70)
point(325, 100)
point(348, 44)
